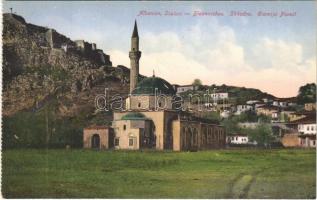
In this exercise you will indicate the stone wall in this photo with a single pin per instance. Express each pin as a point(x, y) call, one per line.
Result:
point(105, 134)
point(195, 135)
point(291, 140)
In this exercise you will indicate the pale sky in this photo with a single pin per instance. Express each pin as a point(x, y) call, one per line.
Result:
point(274, 54)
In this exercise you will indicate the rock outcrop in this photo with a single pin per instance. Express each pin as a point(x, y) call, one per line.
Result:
point(41, 65)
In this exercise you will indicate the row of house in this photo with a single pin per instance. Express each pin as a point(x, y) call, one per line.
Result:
point(304, 134)
point(295, 128)
point(298, 133)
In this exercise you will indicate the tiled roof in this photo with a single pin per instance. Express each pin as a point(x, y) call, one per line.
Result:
point(289, 99)
point(309, 119)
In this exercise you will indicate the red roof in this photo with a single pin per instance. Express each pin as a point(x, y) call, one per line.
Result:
point(309, 119)
point(288, 99)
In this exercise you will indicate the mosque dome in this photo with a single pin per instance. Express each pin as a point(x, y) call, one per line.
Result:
point(148, 85)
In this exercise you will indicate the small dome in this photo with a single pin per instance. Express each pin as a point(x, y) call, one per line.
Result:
point(134, 116)
point(148, 85)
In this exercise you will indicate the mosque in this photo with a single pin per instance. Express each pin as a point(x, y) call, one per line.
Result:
point(152, 119)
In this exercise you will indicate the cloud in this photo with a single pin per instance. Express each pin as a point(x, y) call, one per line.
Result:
point(270, 53)
point(210, 51)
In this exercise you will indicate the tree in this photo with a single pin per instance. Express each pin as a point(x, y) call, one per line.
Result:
point(214, 116)
point(197, 82)
point(262, 134)
point(307, 94)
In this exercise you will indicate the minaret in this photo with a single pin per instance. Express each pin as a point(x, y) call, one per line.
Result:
point(135, 56)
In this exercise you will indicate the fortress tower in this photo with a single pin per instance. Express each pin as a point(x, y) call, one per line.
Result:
point(134, 56)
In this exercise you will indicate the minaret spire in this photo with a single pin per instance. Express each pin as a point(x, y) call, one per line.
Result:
point(134, 56)
point(135, 33)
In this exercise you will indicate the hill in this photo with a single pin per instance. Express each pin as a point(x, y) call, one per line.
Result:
point(238, 95)
point(50, 83)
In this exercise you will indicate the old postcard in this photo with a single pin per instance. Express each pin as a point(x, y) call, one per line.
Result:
point(159, 99)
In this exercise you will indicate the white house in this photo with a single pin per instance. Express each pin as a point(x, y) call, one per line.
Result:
point(276, 103)
point(266, 100)
point(307, 129)
point(185, 88)
point(238, 139)
point(243, 108)
point(251, 102)
point(258, 105)
point(219, 96)
point(225, 114)
point(275, 116)
point(283, 103)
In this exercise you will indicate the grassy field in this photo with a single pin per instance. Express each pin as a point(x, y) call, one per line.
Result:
point(117, 174)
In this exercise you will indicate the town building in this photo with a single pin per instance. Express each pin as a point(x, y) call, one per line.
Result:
point(284, 102)
point(98, 137)
point(219, 96)
point(307, 129)
point(299, 115)
point(310, 106)
point(252, 102)
point(238, 139)
point(243, 108)
point(267, 110)
point(185, 88)
point(151, 120)
point(267, 100)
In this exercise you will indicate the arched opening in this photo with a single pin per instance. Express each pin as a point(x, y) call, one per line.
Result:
point(188, 139)
point(152, 139)
point(194, 145)
point(168, 138)
point(183, 138)
point(95, 141)
point(148, 136)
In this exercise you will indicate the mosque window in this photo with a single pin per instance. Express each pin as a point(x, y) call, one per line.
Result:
point(116, 141)
point(130, 141)
point(124, 127)
point(139, 105)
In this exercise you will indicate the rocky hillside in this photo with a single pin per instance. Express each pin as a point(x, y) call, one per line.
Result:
point(41, 65)
point(50, 83)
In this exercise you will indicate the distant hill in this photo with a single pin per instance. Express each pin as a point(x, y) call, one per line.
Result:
point(238, 95)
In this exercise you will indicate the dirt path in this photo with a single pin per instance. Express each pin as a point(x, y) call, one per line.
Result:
point(240, 186)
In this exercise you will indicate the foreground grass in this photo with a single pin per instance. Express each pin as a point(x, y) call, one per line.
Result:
point(117, 174)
